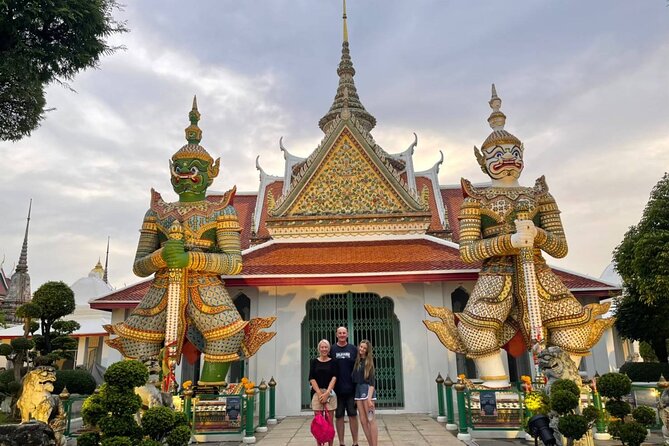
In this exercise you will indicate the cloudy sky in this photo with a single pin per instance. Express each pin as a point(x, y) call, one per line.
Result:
point(584, 85)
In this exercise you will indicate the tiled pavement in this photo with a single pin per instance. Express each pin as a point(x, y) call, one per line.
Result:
point(405, 429)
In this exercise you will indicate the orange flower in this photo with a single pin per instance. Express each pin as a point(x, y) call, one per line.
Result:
point(187, 384)
point(526, 379)
point(461, 376)
point(244, 380)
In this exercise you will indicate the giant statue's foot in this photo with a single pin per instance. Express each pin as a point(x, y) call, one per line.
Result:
point(213, 373)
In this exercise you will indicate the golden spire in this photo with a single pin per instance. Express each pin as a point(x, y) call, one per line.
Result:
point(497, 120)
point(345, 27)
point(347, 95)
point(193, 132)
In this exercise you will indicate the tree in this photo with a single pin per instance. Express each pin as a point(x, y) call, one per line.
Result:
point(53, 301)
point(43, 42)
point(642, 260)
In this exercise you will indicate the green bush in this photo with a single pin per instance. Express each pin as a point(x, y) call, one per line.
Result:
point(22, 343)
point(127, 374)
point(92, 410)
point(618, 409)
point(77, 381)
point(88, 439)
point(5, 349)
point(7, 376)
point(120, 426)
point(645, 371)
point(121, 402)
point(565, 384)
point(149, 442)
point(573, 426)
point(614, 385)
point(591, 413)
point(632, 433)
point(180, 419)
point(563, 401)
point(157, 422)
point(180, 436)
point(117, 441)
point(644, 415)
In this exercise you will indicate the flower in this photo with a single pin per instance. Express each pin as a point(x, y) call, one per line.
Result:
point(245, 380)
point(461, 376)
point(526, 379)
point(187, 384)
point(534, 401)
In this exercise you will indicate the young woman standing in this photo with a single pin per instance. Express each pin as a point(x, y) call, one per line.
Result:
point(365, 394)
point(322, 377)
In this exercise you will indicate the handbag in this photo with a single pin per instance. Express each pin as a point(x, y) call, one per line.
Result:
point(321, 428)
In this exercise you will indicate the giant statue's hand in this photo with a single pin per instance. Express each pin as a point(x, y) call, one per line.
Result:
point(525, 234)
point(174, 254)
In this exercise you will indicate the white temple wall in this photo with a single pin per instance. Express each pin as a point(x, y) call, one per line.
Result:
point(423, 356)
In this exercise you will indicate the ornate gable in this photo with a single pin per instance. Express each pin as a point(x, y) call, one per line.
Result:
point(347, 188)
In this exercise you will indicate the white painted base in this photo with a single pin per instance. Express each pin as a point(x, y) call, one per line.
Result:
point(602, 436)
point(272, 421)
point(451, 427)
point(464, 437)
point(261, 429)
point(441, 419)
point(249, 440)
point(528, 437)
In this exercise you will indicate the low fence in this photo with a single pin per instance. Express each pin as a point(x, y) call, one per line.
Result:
point(504, 410)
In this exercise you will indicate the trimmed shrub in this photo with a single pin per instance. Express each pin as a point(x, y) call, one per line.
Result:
point(127, 374)
point(632, 433)
point(89, 439)
point(5, 349)
point(92, 410)
point(614, 385)
point(644, 415)
point(618, 408)
point(645, 371)
point(22, 343)
point(120, 426)
point(180, 436)
point(77, 381)
point(117, 441)
point(157, 422)
point(591, 413)
point(573, 426)
point(13, 388)
point(119, 403)
point(567, 385)
point(563, 401)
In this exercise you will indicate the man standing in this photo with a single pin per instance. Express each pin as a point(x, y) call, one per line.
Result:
point(345, 353)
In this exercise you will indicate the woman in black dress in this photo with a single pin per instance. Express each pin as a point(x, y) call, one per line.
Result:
point(322, 377)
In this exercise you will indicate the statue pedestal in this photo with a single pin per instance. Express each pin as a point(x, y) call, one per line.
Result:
point(34, 433)
point(602, 436)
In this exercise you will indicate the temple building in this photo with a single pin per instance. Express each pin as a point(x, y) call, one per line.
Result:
point(353, 235)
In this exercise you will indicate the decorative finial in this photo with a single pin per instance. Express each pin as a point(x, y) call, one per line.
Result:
point(345, 26)
point(193, 132)
point(497, 119)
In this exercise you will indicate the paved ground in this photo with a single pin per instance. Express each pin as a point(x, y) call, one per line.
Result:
point(394, 430)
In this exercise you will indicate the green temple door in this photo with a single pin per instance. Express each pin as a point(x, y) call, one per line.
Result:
point(367, 316)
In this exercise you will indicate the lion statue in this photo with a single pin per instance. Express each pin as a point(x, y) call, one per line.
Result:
point(150, 392)
point(556, 364)
point(36, 402)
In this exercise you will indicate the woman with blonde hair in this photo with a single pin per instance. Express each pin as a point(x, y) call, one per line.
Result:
point(322, 377)
point(365, 392)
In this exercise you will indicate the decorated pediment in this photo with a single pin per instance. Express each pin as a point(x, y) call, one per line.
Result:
point(347, 186)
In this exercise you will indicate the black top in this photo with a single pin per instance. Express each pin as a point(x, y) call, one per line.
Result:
point(359, 376)
point(345, 359)
point(322, 372)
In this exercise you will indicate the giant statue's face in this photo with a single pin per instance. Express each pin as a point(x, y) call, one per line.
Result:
point(504, 161)
point(190, 178)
